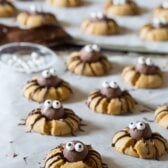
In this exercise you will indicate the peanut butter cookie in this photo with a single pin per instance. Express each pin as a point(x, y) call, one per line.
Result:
point(161, 116)
point(7, 9)
point(110, 99)
point(138, 140)
point(47, 86)
point(143, 75)
point(35, 19)
point(53, 119)
point(162, 10)
point(155, 31)
point(99, 24)
point(74, 154)
point(89, 62)
point(64, 3)
point(120, 7)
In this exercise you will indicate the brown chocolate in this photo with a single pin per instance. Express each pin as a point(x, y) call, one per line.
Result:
point(92, 56)
point(74, 155)
point(138, 134)
point(52, 81)
point(46, 34)
point(147, 69)
point(110, 92)
point(52, 113)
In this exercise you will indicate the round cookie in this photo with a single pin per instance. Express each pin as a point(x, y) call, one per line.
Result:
point(138, 140)
point(143, 75)
point(47, 86)
point(120, 7)
point(161, 116)
point(99, 24)
point(89, 62)
point(74, 154)
point(35, 19)
point(7, 9)
point(162, 10)
point(110, 99)
point(64, 3)
point(53, 119)
point(155, 31)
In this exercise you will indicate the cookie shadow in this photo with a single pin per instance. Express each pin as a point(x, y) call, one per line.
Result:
point(89, 128)
point(125, 30)
point(85, 3)
point(78, 95)
point(109, 162)
point(64, 23)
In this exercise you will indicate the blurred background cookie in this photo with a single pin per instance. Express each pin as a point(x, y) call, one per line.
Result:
point(64, 3)
point(99, 24)
point(156, 30)
point(7, 9)
point(121, 7)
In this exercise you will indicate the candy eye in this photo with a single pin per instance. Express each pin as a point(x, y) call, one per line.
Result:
point(79, 147)
point(56, 104)
point(132, 125)
point(95, 48)
point(140, 126)
point(93, 15)
point(141, 60)
point(48, 103)
point(100, 15)
point(88, 48)
point(105, 84)
point(70, 146)
point(149, 61)
point(113, 84)
point(46, 74)
point(53, 72)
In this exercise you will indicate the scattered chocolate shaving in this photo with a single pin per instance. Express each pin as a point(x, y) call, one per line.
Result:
point(11, 142)
point(25, 159)
point(14, 155)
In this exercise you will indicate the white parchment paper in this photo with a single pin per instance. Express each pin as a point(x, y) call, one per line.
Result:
point(17, 145)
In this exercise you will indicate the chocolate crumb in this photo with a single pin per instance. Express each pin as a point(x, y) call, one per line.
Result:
point(14, 155)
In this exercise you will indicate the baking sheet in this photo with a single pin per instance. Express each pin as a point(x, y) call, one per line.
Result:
point(129, 40)
point(19, 149)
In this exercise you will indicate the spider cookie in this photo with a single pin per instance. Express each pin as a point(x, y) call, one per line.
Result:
point(99, 24)
point(35, 19)
point(53, 119)
point(89, 62)
point(138, 140)
point(7, 9)
point(47, 86)
point(143, 75)
point(161, 116)
point(74, 154)
point(110, 99)
point(155, 31)
point(64, 3)
point(162, 10)
point(120, 7)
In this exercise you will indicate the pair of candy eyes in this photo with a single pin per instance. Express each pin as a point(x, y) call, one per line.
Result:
point(78, 147)
point(97, 15)
point(49, 73)
point(147, 61)
point(55, 104)
point(110, 84)
point(90, 48)
point(139, 125)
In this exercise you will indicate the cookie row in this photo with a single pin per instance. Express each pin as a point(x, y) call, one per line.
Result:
point(98, 23)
